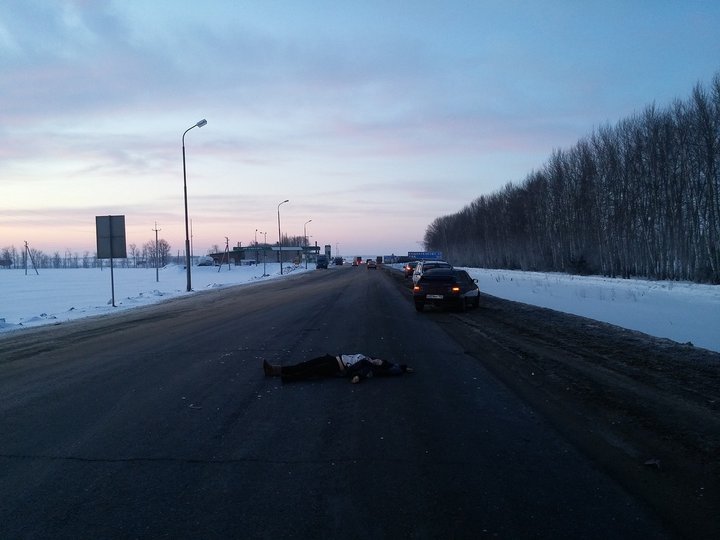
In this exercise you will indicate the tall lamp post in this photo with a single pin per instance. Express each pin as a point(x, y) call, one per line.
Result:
point(201, 123)
point(305, 239)
point(264, 248)
point(279, 238)
point(264, 253)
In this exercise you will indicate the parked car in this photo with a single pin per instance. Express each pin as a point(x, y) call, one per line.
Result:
point(322, 261)
point(424, 266)
point(409, 268)
point(446, 287)
point(371, 264)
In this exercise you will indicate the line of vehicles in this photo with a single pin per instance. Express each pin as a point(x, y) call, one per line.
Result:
point(371, 264)
point(323, 261)
point(435, 282)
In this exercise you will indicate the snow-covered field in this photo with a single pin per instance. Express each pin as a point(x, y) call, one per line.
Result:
point(53, 296)
point(683, 312)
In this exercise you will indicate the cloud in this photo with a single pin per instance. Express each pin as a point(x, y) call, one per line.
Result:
point(375, 112)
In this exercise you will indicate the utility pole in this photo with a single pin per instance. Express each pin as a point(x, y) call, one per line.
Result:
point(157, 254)
point(28, 255)
point(226, 255)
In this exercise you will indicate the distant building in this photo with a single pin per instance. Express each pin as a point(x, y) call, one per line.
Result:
point(256, 254)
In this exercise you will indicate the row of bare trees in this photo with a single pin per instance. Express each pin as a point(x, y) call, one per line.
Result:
point(147, 255)
point(641, 198)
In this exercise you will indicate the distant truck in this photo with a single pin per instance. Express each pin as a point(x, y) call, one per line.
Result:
point(379, 259)
point(358, 261)
point(322, 261)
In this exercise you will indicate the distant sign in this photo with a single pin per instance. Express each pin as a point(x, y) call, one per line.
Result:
point(110, 237)
point(426, 255)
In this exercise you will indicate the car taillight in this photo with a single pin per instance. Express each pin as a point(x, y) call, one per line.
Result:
point(455, 289)
point(416, 288)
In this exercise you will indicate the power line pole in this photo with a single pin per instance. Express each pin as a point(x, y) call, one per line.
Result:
point(28, 255)
point(226, 255)
point(157, 254)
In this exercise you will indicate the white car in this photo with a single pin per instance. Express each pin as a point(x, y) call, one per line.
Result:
point(423, 266)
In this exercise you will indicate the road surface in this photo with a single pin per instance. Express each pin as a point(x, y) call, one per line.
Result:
point(160, 422)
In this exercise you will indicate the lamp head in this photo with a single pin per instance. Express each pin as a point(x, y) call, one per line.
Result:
point(201, 123)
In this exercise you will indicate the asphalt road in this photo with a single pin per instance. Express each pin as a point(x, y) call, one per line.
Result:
point(160, 423)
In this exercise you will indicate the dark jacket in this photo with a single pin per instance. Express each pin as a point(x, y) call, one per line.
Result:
point(375, 368)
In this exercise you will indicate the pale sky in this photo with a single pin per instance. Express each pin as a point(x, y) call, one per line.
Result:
point(373, 118)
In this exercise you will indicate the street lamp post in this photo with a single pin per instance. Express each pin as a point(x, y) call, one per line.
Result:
point(257, 253)
point(305, 238)
point(264, 253)
point(264, 249)
point(201, 123)
point(279, 237)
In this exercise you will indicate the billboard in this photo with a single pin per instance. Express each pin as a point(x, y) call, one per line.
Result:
point(110, 237)
point(426, 255)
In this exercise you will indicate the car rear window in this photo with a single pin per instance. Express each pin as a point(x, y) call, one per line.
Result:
point(438, 275)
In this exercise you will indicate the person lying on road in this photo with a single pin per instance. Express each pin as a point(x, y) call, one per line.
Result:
point(354, 366)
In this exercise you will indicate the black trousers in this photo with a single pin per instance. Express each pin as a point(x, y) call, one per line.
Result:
point(322, 366)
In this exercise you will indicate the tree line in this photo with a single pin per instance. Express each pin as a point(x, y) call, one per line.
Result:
point(149, 255)
point(640, 198)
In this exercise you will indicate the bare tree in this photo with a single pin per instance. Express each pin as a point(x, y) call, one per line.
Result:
point(640, 198)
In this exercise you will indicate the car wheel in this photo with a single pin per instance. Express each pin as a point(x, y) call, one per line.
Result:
point(462, 303)
point(476, 302)
point(419, 306)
